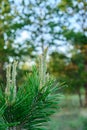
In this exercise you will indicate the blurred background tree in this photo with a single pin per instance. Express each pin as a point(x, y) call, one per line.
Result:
point(39, 20)
point(45, 27)
point(56, 65)
point(76, 35)
point(10, 23)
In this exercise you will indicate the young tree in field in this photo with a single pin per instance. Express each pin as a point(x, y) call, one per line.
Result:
point(76, 33)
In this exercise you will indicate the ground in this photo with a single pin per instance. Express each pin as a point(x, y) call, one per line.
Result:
point(70, 116)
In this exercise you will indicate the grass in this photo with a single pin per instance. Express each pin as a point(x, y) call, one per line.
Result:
point(70, 116)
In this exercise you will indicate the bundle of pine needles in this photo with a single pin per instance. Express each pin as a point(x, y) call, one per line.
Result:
point(29, 107)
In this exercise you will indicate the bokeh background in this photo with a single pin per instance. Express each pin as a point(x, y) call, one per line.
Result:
point(29, 26)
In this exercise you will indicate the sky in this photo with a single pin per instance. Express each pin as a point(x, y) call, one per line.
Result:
point(27, 35)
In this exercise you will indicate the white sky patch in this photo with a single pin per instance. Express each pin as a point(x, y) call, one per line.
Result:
point(24, 35)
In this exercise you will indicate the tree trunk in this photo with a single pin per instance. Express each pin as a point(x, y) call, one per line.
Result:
point(85, 85)
point(80, 98)
point(86, 95)
point(2, 73)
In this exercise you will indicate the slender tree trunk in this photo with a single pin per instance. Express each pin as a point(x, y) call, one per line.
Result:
point(85, 86)
point(2, 73)
point(86, 95)
point(80, 98)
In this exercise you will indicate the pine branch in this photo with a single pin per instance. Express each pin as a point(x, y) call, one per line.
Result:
point(34, 102)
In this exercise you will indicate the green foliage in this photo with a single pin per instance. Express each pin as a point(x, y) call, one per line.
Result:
point(32, 105)
point(74, 30)
point(10, 23)
point(57, 64)
point(77, 38)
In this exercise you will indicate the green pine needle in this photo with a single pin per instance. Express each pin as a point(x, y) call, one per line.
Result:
point(33, 104)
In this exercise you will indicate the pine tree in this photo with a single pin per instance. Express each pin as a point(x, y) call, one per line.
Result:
point(29, 106)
